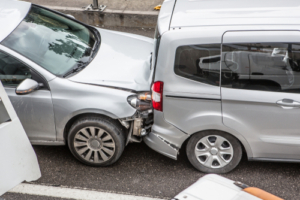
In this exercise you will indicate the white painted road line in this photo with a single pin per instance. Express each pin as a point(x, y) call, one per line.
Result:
point(72, 193)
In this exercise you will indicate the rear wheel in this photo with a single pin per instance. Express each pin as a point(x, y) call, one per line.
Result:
point(214, 151)
point(96, 141)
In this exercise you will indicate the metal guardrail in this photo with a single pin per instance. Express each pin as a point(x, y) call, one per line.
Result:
point(95, 6)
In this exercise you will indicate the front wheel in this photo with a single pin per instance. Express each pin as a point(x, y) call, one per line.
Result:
point(214, 151)
point(96, 141)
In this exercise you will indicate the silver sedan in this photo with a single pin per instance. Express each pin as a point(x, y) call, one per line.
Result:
point(75, 84)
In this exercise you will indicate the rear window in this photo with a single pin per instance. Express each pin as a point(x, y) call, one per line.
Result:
point(199, 63)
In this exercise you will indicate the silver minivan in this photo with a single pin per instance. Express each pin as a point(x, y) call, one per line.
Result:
point(227, 81)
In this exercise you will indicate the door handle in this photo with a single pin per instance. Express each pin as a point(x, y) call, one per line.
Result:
point(288, 103)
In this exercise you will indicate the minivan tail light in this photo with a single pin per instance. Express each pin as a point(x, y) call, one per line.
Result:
point(157, 95)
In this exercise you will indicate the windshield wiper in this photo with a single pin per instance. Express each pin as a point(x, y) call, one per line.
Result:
point(75, 70)
point(82, 64)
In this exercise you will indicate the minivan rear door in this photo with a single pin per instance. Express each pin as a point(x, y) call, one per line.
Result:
point(18, 161)
point(260, 90)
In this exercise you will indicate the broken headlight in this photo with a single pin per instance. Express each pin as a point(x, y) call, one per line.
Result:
point(141, 101)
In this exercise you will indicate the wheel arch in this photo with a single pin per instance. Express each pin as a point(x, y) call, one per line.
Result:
point(245, 145)
point(82, 115)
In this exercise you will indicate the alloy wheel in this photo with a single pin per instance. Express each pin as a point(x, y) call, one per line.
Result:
point(94, 144)
point(214, 151)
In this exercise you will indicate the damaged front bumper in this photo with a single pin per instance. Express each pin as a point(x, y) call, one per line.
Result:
point(150, 125)
point(138, 125)
point(141, 122)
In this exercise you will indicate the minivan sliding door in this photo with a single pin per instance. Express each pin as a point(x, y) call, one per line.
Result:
point(260, 90)
point(192, 88)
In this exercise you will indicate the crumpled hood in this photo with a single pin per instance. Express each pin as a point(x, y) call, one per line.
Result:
point(123, 61)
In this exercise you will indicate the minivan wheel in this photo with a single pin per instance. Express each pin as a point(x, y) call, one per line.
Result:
point(214, 151)
point(96, 141)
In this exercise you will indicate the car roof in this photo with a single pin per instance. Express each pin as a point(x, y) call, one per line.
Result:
point(11, 14)
point(194, 13)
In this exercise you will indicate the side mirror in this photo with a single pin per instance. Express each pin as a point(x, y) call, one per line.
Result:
point(27, 86)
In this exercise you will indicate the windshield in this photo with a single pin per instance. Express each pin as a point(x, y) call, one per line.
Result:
point(53, 41)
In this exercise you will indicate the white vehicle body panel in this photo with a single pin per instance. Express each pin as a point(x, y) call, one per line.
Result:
point(214, 187)
point(11, 14)
point(19, 163)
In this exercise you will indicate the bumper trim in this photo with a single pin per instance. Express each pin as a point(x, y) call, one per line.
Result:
point(161, 145)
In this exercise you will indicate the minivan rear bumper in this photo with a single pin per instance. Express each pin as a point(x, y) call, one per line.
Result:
point(164, 137)
point(156, 143)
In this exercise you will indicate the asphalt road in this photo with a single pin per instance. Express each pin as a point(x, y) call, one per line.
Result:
point(142, 171)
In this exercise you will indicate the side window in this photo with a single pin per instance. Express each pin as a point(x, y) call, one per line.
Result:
point(199, 63)
point(261, 66)
point(12, 71)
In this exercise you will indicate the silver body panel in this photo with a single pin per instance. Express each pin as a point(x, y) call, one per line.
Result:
point(165, 15)
point(44, 114)
point(71, 99)
point(35, 111)
point(167, 143)
point(234, 12)
point(123, 61)
point(266, 130)
point(272, 130)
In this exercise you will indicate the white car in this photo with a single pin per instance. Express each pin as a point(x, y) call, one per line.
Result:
point(19, 163)
point(215, 187)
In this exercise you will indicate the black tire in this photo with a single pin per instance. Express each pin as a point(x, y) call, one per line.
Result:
point(232, 162)
point(109, 127)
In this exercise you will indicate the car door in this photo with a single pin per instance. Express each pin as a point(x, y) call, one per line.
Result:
point(18, 160)
point(260, 90)
point(192, 88)
point(35, 110)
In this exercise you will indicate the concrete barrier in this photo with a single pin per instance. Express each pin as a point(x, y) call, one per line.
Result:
point(145, 19)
